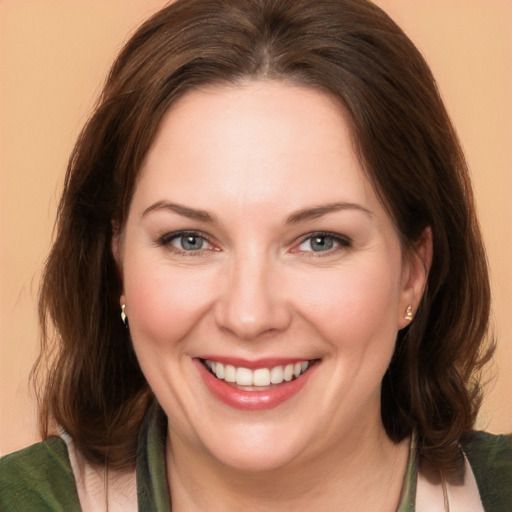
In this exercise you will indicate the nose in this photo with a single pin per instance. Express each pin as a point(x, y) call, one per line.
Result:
point(253, 301)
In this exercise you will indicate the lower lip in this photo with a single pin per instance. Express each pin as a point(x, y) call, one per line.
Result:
point(253, 400)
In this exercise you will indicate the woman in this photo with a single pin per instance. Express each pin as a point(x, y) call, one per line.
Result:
point(268, 284)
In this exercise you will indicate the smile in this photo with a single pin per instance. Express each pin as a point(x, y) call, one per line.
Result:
point(265, 385)
point(258, 378)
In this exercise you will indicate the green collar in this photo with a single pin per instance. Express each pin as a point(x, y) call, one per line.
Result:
point(408, 499)
point(152, 489)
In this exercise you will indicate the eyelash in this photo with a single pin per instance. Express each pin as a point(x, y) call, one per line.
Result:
point(167, 239)
point(343, 242)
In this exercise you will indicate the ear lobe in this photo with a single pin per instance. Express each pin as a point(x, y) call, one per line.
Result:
point(415, 275)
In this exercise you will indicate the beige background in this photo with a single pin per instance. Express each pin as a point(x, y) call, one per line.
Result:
point(54, 55)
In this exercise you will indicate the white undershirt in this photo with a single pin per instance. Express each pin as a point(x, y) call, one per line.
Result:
point(461, 498)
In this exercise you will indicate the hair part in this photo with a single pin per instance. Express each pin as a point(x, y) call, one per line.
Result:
point(350, 49)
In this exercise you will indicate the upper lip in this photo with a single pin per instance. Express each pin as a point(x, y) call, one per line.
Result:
point(253, 364)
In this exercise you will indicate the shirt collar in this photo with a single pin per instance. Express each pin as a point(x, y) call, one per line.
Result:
point(152, 489)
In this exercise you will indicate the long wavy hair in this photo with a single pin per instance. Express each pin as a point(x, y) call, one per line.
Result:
point(93, 386)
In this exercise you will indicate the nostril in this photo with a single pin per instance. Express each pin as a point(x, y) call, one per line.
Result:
point(251, 304)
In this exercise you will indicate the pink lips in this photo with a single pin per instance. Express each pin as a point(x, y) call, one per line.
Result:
point(268, 398)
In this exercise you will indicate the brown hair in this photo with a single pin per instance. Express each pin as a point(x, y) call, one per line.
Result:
point(354, 51)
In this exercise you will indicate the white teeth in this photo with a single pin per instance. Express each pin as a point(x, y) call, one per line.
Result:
point(288, 372)
point(218, 369)
point(230, 373)
point(243, 377)
point(260, 377)
point(276, 375)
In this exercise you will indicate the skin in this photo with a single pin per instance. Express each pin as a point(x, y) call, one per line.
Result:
point(252, 157)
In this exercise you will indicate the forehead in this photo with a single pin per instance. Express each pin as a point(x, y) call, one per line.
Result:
point(253, 135)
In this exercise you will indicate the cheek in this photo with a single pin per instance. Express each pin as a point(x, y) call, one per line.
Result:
point(353, 311)
point(354, 306)
point(164, 303)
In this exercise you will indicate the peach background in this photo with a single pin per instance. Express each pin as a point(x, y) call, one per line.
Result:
point(54, 55)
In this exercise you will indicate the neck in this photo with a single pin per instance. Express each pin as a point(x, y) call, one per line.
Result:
point(363, 473)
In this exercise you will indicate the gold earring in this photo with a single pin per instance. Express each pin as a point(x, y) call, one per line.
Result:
point(123, 315)
point(408, 314)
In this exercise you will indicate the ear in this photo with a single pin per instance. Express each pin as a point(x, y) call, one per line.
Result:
point(415, 270)
point(116, 246)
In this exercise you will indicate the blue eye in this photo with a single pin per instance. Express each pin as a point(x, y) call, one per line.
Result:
point(320, 242)
point(188, 242)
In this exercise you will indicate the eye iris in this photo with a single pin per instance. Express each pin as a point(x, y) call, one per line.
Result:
point(192, 242)
point(322, 243)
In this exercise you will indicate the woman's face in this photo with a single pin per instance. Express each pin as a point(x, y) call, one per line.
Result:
point(256, 251)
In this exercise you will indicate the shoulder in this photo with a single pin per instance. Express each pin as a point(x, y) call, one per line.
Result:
point(38, 478)
point(490, 457)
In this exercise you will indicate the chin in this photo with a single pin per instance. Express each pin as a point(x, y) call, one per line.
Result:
point(256, 453)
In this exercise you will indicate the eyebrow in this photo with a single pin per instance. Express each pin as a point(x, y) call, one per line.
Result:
point(303, 215)
point(319, 211)
point(185, 211)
